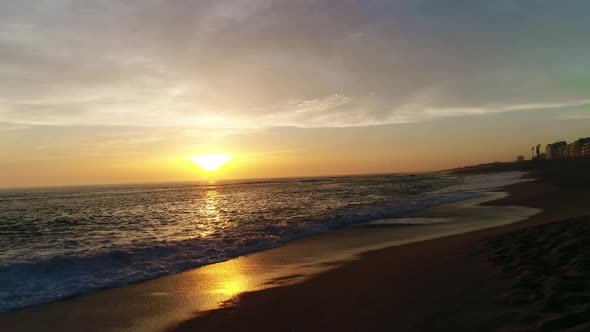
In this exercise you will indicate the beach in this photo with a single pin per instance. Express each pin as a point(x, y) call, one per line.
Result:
point(493, 279)
point(280, 165)
point(358, 279)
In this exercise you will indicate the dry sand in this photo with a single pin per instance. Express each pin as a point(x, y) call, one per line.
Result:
point(548, 269)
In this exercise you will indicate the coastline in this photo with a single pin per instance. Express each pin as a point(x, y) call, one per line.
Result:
point(158, 303)
point(449, 281)
point(87, 250)
point(382, 286)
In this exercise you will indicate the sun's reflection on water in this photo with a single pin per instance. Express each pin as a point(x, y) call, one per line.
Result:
point(210, 212)
point(211, 209)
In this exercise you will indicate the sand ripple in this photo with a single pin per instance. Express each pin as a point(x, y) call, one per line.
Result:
point(548, 272)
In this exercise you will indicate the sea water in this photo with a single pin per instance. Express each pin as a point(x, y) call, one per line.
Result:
point(60, 242)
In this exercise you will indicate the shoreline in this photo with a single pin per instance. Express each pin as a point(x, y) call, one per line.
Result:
point(137, 302)
point(42, 274)
point(448, 281)
point(335, 223)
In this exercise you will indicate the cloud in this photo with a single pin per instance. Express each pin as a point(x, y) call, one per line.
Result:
point(277, 62)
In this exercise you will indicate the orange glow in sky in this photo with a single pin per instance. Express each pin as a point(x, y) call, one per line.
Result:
point(222, 90)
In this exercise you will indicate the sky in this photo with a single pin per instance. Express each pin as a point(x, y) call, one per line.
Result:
point(110, 91)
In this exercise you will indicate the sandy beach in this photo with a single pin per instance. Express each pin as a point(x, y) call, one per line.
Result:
point(365, 278)
point(531, 275)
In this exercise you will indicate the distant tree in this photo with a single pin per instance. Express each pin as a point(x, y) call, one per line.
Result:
point(538, 149)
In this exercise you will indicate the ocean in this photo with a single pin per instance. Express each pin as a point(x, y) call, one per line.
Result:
point(60, 242)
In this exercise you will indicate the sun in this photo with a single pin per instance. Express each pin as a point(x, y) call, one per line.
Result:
point(210, 162)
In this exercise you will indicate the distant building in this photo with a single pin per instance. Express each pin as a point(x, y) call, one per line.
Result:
point(564, 152)
point(552, 151)
point(575, 148)
point(519, 159)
